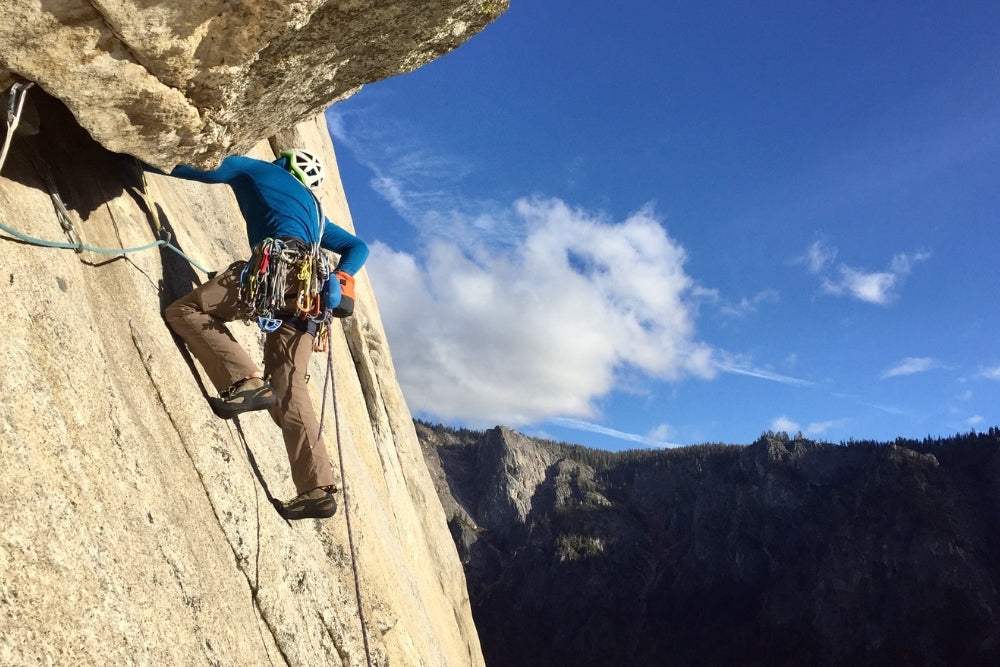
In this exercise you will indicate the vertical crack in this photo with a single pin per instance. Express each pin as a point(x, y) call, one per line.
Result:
point(145, 357)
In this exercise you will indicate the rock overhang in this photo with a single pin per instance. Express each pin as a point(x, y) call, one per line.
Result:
point(191, 82)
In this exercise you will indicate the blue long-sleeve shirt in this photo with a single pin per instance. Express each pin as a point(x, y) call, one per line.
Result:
point(275, 204)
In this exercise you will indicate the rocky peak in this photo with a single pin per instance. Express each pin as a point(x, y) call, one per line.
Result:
point(510, 471)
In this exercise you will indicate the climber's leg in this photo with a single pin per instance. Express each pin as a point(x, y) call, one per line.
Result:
point(199, 318)
point(286, 363)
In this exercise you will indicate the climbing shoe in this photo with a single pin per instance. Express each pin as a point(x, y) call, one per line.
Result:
point(243, 396)
point(316, 504)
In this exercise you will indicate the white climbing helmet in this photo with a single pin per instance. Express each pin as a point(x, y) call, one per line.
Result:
point(306, 167)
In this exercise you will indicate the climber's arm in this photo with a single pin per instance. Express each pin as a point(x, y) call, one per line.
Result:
point(230, 169)
point(352, 250)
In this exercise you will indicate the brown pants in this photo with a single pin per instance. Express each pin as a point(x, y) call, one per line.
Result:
point(199, 318)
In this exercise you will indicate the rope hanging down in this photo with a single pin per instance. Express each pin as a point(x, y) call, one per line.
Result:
point(15, 104)
point(347, 510)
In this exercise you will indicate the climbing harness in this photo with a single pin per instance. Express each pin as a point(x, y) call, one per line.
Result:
point(276, 268)
point(347, 505)
point(15, 104)
point(280, 270)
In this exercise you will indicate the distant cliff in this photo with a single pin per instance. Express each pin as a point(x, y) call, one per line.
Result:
point(783, 552)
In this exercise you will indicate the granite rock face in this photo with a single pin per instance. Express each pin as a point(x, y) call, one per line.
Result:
point(137, 528)
point(784, 552)
point(193, 81)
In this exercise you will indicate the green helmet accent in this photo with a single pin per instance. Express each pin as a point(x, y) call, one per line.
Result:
point(305, 166)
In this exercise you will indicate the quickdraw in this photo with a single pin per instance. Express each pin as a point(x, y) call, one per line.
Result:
point(313, 273)
point(264, 288)
point(15, 104)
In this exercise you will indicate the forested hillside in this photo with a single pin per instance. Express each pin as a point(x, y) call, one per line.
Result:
point(783, 552)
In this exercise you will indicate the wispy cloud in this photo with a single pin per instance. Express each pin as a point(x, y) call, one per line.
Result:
point(662, 433)
point(739, 366)
point(819, 428)
point(910, 366)
point(975, 420)
point(649, 440)
point(420, 183)
point(889, 409)
point(876, 287)
point(747, 306)
point(992, 373)
point(817, 257)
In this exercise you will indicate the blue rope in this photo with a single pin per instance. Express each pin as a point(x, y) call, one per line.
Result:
point(104, 251)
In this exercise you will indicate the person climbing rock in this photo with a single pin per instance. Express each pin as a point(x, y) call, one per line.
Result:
point(289, 287)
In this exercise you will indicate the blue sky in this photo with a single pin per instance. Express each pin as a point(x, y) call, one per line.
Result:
point(649, 224)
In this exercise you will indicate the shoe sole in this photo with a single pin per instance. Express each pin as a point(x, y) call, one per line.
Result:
point(312, 509)
point(226, 410)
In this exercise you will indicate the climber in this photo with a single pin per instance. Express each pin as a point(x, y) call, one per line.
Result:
point(285, 223)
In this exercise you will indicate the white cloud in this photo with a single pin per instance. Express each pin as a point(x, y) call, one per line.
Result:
point(975, 420)
point(877, 287)
point(544, 329)
point(519, 313)
point(873, 287)
point(785, 424)
point(910, 366)
point(991, 373)
point(656, 439)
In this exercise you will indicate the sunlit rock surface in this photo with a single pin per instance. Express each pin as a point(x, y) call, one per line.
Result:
point(135, 529)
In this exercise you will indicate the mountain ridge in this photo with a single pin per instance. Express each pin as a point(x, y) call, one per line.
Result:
point(783, 551)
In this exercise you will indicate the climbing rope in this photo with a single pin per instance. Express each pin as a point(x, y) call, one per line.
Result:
point(347, 505)
point(15, 103)
point(79, 247)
